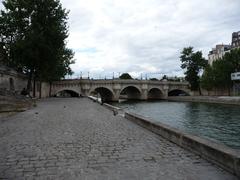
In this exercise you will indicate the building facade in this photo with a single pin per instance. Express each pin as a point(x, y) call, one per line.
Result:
point(236, 39)
point(218, 52)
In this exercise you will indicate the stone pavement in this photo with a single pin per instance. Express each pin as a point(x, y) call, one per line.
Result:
point(80, 139)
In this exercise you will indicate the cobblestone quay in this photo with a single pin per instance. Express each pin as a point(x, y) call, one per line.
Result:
point(80, 139)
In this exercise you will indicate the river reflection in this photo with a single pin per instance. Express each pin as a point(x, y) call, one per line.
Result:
point(214, 121)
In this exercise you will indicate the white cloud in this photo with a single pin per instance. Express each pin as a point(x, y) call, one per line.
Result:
point(145, 36)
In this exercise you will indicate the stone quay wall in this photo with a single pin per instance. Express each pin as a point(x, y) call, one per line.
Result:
point(14, 82)
point(10, 80)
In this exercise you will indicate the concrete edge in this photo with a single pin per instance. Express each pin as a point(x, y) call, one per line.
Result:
point(223, 156)
point(109, 106)
point(92, 98)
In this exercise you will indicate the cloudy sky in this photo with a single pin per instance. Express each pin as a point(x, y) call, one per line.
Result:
point(145, 36)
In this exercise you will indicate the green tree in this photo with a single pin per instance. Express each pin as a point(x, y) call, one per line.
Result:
point(153, 79)
point(125, 76)
point(222, 70)
point(233, 57)
point(207, 79)
point(193, 62)
point(33, 35)
point(164, 77)
point(218, 75)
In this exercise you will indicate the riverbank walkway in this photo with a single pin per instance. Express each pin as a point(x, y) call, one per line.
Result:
point(78, 139)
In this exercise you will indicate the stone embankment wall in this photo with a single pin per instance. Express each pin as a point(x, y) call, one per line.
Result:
point(13, 82)
point(45, 90)
point(218, 92)
point(215, 92)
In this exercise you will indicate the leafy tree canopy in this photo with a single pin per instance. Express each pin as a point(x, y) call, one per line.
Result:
point(207, 78)
point(153, 79)
point(33, 38)
point(125, 76)
point(193, 63)
point(219, 74)
point(164, 77)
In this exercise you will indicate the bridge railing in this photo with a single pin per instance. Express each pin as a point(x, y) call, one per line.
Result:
point(119, 81)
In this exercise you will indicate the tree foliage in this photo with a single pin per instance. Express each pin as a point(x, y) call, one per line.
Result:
point(219, 74)
point(33, 38)
point(153, 79)
point(164, 77)
point(125, 76)
point(193, 63)
point(207, 78)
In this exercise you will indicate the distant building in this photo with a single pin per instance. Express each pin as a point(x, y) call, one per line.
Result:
point(218, 52)
point(236, 39)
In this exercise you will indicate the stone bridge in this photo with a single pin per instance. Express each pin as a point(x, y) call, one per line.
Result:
point(113, 90)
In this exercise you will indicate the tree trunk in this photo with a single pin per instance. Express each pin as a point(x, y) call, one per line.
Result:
point(40, 89)
point(50, 89)
point(229, 91)
point(34, 86)
point(29, 83)
point(200, 92)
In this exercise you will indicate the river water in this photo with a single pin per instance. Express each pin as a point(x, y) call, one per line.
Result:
point(218, 122)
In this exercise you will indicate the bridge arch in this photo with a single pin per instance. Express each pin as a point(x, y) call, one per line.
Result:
point(178, 92)
point(105, 93)
point(130, 92)
point(67, 93)
point(155, 93)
